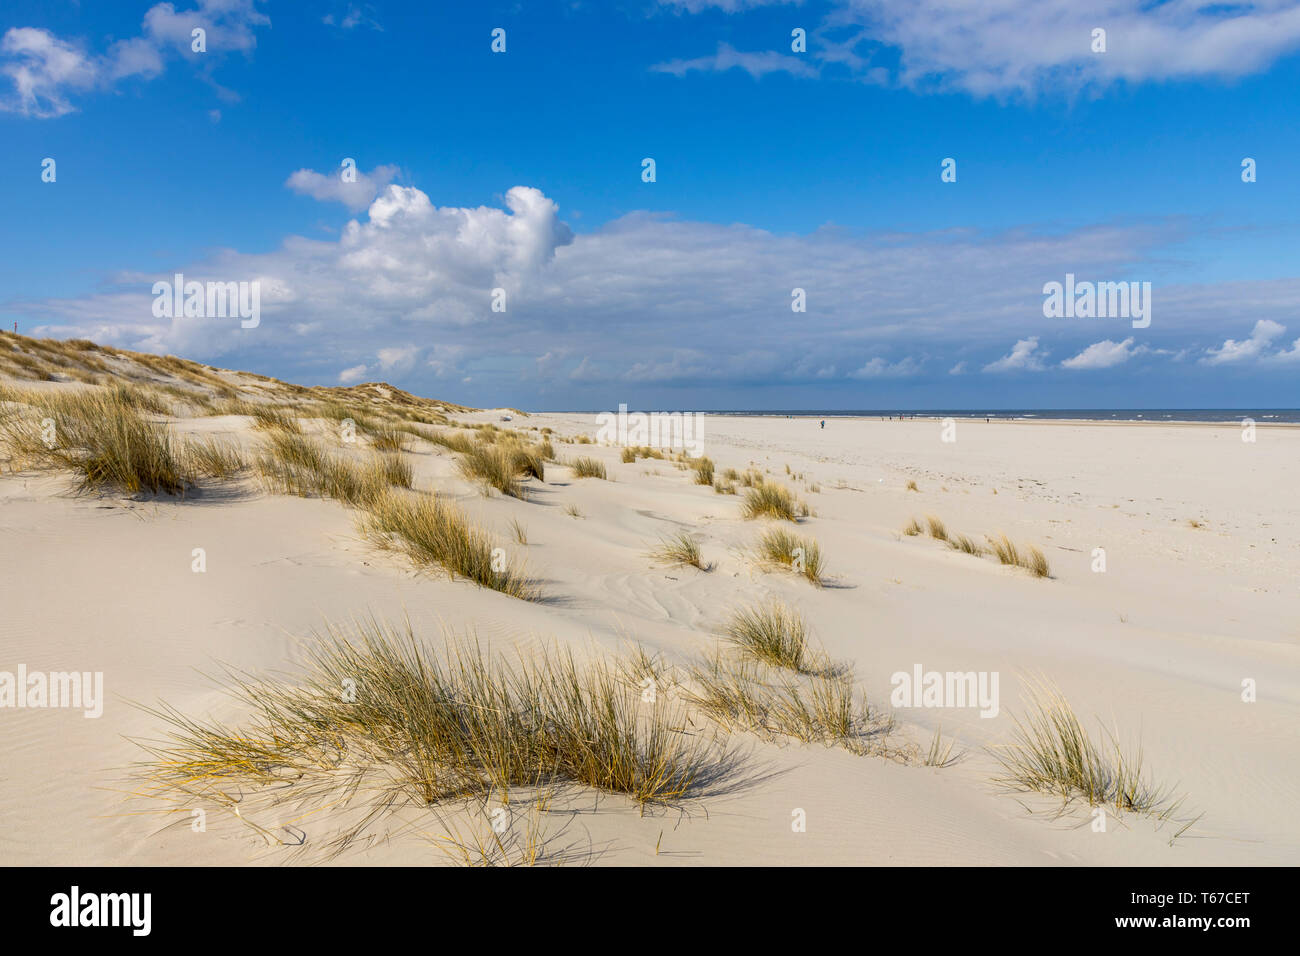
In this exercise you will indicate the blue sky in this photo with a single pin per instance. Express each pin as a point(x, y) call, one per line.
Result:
point(775, 170)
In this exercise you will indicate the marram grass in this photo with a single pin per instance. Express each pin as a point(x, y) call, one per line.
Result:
point(1051, 752)
point(432, 532)
point(681, 549)
point(800, 554)
point(435, 726)
point(776, 634)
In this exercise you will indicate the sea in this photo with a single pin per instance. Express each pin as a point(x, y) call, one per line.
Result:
point(1262, 416)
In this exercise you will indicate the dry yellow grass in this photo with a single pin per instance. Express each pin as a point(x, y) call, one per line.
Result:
point(425, 728)
point(434, 533)
point(800, 554)
point(587, 468)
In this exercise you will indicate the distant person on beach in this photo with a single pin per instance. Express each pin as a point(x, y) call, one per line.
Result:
point(823, 423)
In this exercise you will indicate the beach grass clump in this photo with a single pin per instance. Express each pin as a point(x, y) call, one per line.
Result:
point(627, 455)
point(456, 441)
point(935, 527)
point(723, 487)
point(965, 544)
point(1036, 562)
point(1051, 752)
point(99, 434)
point(746, 696)
point(703, 471)
point(432, 532)
point(1031, 558)
point(529, 460)
point(272, 417)
point(776, 634)
point(518, 530)
point(342, 412)
point(912, 527)
point(493, 467)
point(587, 468)
point(911, 486)
point(294, 464)
point(427, 728)
point(500, 465)
point(388, 471)
point(214, 458)
point(680, 549)
point(770, 500)
point(389, 438)
point(800, 554)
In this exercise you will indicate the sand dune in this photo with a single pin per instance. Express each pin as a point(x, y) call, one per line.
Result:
point(1157, 646)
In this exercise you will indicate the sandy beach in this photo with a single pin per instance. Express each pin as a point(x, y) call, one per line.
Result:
point(1196, 597)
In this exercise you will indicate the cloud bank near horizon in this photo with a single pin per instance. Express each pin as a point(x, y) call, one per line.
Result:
point(407, 292)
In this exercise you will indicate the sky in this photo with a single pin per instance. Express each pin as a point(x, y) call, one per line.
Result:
point(922, 171)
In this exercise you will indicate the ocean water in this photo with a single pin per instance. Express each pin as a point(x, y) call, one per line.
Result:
point(1263, 416)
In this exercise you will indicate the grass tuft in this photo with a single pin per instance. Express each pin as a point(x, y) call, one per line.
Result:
point(587, 468)
point(1051, 752)
point(100, 435)
point(770, 500)
point(681, 548)
point(424, 728)
point(935, 528)
point(799, 554)
point(433, 532)
point(776, 634)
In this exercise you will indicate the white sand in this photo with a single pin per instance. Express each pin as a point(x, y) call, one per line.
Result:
point(1157, 646)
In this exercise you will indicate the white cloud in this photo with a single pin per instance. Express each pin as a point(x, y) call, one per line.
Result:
point(995, 47)
point(350, 376)
point(879, 368)
point(1024, 357)
point(727, 58)
point(1287, 355)
point(726, 6)
point(648, 299)
point(1231, 351)
point(398, 359)
point(45, 70)
point(356, 195)
point(1105, 354)
point(958, 369)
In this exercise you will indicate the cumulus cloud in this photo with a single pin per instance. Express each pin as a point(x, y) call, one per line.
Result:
point(1025, 356)
point(350, 376)
point(1232, 351)
point(728, 58)
point(356, 193)
point(45, 71)
point(1105, 354)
